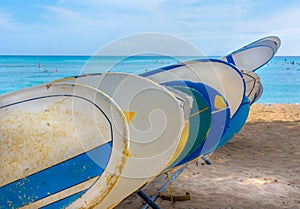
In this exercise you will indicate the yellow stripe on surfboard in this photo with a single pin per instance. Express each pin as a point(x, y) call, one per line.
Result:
point(64, 79)
point(197, 113)
point(182, 142)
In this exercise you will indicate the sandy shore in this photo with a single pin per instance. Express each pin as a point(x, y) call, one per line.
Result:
point(259, 168)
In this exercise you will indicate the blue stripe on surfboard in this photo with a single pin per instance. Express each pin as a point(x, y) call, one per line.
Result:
point(169, 67)
point(63, 203)
point(55, 178)
point(236, 122)
point(229, 59)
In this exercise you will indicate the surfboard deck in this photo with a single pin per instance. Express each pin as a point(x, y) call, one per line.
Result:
point(215, 73)
point(254, 55)
point(57, 141)
point(157, 121)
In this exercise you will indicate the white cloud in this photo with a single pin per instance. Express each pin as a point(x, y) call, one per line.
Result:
point(198, 21)
point(233, 27)
point(6, 22)
point(64, 21)
point(217, 27)
point(103, 21)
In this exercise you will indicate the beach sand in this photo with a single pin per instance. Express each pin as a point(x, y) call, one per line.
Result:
point(259, 168)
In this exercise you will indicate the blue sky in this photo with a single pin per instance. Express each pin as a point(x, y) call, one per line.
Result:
point(82, 27)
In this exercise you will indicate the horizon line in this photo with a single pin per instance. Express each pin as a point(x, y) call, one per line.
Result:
point(121, 55)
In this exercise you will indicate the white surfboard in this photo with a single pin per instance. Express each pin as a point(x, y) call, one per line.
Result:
point(254, 55)
point(56, 142)
point(218, 74)
point(155, 119)
point(254, 87)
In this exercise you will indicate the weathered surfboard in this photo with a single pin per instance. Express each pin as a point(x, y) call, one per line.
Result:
point(156, 119)
point(57, 141)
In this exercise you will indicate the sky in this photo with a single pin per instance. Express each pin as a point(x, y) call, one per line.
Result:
point(77, 27)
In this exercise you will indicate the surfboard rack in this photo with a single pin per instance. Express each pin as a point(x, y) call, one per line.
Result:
point(175, 198)
point(150, 201)
point(204, 158)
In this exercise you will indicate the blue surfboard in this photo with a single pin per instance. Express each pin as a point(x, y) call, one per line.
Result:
point(219, 123)
point(199, 121)
point(236, 122)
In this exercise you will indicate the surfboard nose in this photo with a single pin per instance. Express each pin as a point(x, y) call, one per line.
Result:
point(56, 141)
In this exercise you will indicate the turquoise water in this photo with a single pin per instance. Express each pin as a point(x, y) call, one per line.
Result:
point(280, 77)
point(281, 81)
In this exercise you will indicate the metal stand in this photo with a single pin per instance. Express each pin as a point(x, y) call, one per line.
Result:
point(151, 201)
point(206, 160)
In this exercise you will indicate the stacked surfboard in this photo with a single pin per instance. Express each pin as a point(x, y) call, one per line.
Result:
point(90, 141)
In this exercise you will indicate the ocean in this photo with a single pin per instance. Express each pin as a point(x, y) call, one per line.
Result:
point(280, 77)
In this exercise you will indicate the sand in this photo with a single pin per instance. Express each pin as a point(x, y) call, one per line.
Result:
point(259, 168)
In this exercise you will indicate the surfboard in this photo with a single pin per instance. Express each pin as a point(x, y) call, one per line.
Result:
point(56, 142)
point(199, 121)
point(156, 121)
point(258, 94)
point(220, 117)
point(254, 87)
point(218, 74)
point(253, 56)
point(236, 122)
